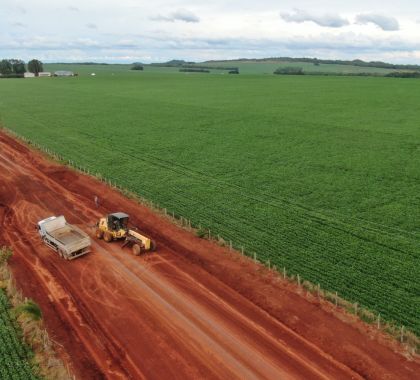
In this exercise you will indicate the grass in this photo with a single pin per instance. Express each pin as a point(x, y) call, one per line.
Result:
point(316, 174)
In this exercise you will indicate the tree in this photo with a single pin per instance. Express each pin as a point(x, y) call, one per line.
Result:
point(137, 66)
point(289, 71)
point(18, 66)
point(5, 67)
point(35, 66)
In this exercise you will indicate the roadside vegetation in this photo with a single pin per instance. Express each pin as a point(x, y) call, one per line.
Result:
point(26, 352)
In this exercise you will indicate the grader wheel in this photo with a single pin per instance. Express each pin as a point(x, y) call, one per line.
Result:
point(136, 250)
point(99, 233)
point(107, 237)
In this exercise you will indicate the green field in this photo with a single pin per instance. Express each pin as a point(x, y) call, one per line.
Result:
point(248, 67)
point(268, 67)
point(14, 355)
point(320, 175)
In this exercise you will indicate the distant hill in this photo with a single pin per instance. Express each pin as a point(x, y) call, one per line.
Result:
point(315, 61)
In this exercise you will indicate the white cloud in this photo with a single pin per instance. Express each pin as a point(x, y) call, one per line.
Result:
point(179, 15)
point(384, 22)
point(91, 25)
point(19, 24)
point(330, 20)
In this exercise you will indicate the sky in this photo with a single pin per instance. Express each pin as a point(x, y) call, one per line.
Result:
point(126, 31)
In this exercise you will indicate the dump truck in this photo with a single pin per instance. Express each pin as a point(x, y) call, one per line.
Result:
point(67, 240)
point(115, 227)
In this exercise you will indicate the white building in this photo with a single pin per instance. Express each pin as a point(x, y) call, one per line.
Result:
point(29, 75)
point(44, 74)
point(64, 73)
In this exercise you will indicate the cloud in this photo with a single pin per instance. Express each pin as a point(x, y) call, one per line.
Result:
point(91, 25)
point(19, 25)
point(329, 20)
point(21, 10)
point(384, 22)
point(73, 8)
point(179, 15)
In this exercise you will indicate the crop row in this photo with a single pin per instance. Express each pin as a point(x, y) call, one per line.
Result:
point(14, 355)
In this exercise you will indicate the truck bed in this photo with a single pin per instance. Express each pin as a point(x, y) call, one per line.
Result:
point(67, 235)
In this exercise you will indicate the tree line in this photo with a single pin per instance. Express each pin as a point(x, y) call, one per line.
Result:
point(16, 68)
point(317, 62)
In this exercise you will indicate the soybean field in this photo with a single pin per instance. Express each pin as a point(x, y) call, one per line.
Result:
point(319, 175)
point(14, 355)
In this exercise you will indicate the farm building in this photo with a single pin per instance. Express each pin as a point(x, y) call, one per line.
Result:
point(29, 75)
point(63, 73)
point(44, 74)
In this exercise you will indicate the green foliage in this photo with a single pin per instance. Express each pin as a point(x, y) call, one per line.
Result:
point(12, 68)
point(6, 67)
point(35, 66)
point(186, 70)
point(202, 233)
point(289, 71)
point(316, 174)
point(137, 66)
point(14, 354)
point(31, 309)
point(404, 74)
point(18, 66)
point(5, 254)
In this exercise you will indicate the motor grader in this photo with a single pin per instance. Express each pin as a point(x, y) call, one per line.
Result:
point(115, 227)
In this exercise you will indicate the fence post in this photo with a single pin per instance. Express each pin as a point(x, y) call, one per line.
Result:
point(319, 290)
point(284, 272)
point(230, 245)
point(336, 299)
point(402, 334)
point(298, 277)
point(355, 308)
point(255, 257)
point(269, 264)
point(379, 321)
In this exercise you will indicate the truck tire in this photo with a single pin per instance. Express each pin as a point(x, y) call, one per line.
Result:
point(108, 237)
point(99, 234)
point(136, 250)
point(61, 253)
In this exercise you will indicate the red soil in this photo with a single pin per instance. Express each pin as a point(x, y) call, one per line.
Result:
point(190, 310)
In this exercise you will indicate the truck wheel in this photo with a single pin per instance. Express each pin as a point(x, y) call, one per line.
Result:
point(99, 233)
point(107, 237)
point(136, 250)
point(61, 253)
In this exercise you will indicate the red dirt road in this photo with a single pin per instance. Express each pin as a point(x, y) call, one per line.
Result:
point(190, 310)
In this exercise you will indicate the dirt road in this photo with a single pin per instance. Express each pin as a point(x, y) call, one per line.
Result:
point(190, 310)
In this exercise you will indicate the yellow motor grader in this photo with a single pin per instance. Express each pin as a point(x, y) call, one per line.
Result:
point(115, 227)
